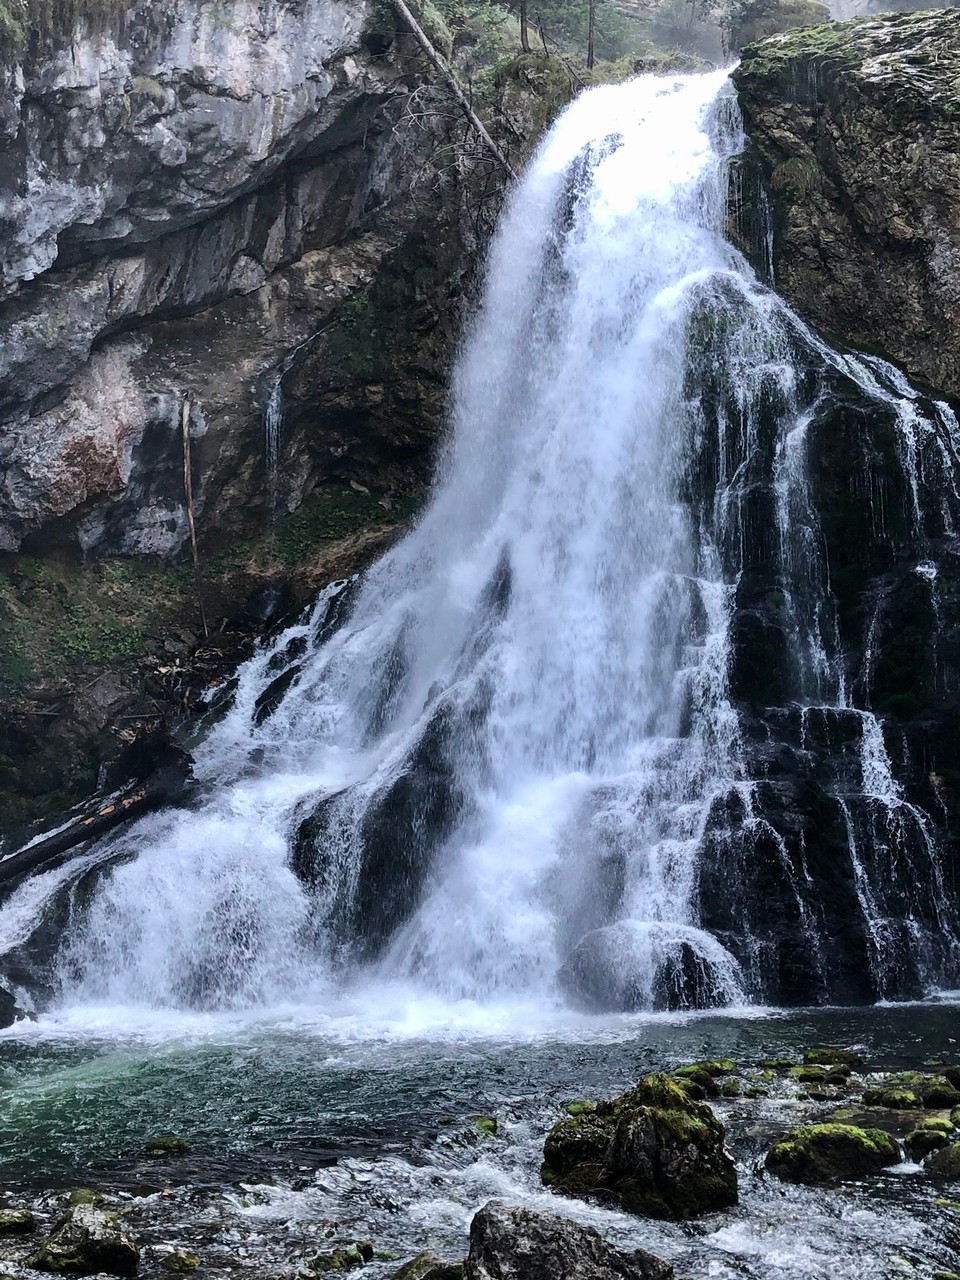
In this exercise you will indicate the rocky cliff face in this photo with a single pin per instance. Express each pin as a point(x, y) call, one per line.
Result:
point(856, 131)
point(261, 221)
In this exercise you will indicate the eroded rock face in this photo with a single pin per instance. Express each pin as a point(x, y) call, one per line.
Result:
point(856, 130)
point(190, 205)
point(512, 1243)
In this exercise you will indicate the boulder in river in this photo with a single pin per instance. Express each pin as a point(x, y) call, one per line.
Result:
point(821, 1153)
point(945, 1163)
point(928, 1136)
point(654, 1151)
point(16, 1222)
point(508, 1242)
point(85, 1242)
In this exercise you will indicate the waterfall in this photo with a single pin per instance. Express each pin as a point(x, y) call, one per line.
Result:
point(559, 740)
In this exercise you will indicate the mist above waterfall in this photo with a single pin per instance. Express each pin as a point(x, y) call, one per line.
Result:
point(558, 742)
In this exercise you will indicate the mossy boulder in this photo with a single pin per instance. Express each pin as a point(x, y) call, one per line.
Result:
point(829, 1056)
point(715, 1067)
point(85, 1242)
point(427, 1266)
point(16, 1222)
point(180, 1262)
point(84, 1195)
point(808, 1075)
point(939, 1092)
point(346, 1258)
point(895, 1099)
point(486, 1126)
point(824, 1153)
point(945, 1163)
point(776, 1064)
point(927, 1137)
point(654, 1151)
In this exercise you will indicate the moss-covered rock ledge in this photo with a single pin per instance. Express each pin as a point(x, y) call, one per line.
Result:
point(856, 129)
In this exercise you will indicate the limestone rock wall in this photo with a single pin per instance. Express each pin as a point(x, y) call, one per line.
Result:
point(856, 132)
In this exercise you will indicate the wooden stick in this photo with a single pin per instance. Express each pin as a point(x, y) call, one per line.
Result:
point(188, 487)
point(438, 62)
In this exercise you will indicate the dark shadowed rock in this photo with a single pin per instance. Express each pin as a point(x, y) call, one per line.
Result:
point(508, 1242)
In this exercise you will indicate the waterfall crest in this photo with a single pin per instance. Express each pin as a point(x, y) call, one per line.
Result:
point(530, 751)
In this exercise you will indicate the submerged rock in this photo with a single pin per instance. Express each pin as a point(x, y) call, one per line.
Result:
point(85, 1242)
point(512, 1243)
point(654, 1151)
point(830, 1152)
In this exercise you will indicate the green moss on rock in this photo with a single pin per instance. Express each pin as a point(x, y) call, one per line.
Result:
point(346, 1258)
point(16, 1222)
point(830, 1056)
point(166, 1145)
point(654, 1151)
point(830, 1152)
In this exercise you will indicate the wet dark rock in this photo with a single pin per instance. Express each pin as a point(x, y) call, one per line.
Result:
point(626, 967)
point(826, 1153)
point(654, 1151)
point(87, 1241)
point(945, 1164)
point(268, 604)
point(513, 1243)
point(10, 1011)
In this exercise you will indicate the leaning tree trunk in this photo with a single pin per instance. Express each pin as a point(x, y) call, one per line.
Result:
point(475, 122)
point(591, 33)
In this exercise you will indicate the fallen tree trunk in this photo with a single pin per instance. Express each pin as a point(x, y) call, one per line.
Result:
point(452, 83)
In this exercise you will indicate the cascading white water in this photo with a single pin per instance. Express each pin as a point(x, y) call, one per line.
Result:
point(564, 472)
point(549, 647)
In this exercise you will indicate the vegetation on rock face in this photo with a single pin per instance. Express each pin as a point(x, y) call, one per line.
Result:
point(830, 1152)
point(654, 1151)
